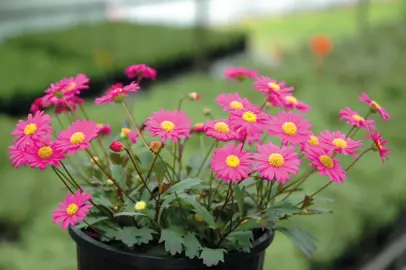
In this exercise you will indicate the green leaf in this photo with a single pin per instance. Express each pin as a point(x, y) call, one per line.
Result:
point(131, 236)
point(159, 169)
point(301, 238)
point(239, 195)
point(192, 245)
point(242, 239)
point(104, 201)
point(194, 164)
point(212, 257)
point(90, 221)
point(207, 217)
point(173, 241)
point(283, 208)
point(129, 214)
point(249, 224)
point(165, 203)
point(317, 211)
point(183, 185)
point(117, 171)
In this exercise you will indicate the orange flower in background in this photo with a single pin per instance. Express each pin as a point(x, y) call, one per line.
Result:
point(321, 45)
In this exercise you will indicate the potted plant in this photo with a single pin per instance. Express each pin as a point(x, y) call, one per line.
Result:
point(145, 202)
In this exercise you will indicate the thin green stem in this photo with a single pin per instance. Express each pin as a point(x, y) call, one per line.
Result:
point(206, 157)
point(135, 124)
point(181, 101)
point(63, 181)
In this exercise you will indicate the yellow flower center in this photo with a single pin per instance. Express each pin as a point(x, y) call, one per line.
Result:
point(232, 161)
point(45, 152)
point(236, 105)
point(167, 126)
point(291, 99)
point(276, 160)
point(125, 132)
point(140, 205)
point(70, 86)
point(72, 209)
point(340, 143)
point(274, 86)
point(289, 128)
point(30, 129)
point(221, 127)
point(379, 145)
point(326, 161)
point(77, 138)
point(358, 117)
point(313, 140)
point(249, 117)
point(375, 104)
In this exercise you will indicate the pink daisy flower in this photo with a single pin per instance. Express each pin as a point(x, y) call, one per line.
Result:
point(142, 71)
point(338, 142)
point(77, 136)
point(118, 94)
point(68, 105)
point(239, 74)
point(276, 163)
point(42, 154)
point(33, 130)
point(114, 86)
point(375, 107)
point(38, 105)
point(172, 125)
point(312, 142)
point(380, 145)
point(290, 127)
point(326, 164)
point(18, 156)
point(220, 130)
point(65, 89)
point(230, 163)
point(197, 128)
point(273, 90)
point(354, 119)
point(249, 138)
point(73, 209)
point(290, 102)
point(231, 102)
point(103, 130)
point(133, 136)
point(249, 121)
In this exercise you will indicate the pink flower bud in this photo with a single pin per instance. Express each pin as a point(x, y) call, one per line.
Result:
point(116, 146)
point(194, 96)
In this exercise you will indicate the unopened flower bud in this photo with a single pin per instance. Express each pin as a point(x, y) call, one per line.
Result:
point(110, 182)
point(124, 133)
point(155, 146)
point(198, 217)
point(94, 160)
point(206, 112)
point(140, 205)
point(198, 127)
point(194, 96)
point(116, 146)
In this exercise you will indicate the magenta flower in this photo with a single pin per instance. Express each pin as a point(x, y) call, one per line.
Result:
point(375, 107)
point(230, 163)
point(32, 131)
point(114, 87)
point(42, 154)
point(142, 71)
point(354, 119)
point(276, 163)
point(249, 121)
point(231, 102)
point(239, 74)
point(103, 130)
point(290, 127)
point(312, 142)
point(18, 156)
point(326, 164)
point(133, 136)
point(274, 91)
point(338, 142)
point(220, 130)
point(77, 136)
point(380, 145)
point(249, 138)
point(290, 102)
point(65, 89)
point(73, 209)
point(197, 128)
point(172, 125)
point(117, 95)
point(68, 105)
point(38, 105)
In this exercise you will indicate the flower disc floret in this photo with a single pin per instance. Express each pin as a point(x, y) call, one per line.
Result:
point(249, 121)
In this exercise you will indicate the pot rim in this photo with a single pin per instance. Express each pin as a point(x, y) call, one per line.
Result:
point(82, 239)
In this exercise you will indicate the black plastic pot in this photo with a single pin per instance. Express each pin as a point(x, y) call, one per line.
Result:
point(94, 255)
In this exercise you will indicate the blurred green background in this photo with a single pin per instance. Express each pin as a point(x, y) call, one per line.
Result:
point(369, 55)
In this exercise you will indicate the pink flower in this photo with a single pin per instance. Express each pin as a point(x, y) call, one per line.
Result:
point(249, 121)
point(114, 86)
point(312, 142)
point(290, 127)
point(77, 136)
point(274, 91)
point(117, 95)
point(140, 70)
point(375, 107)
point(65, 89)
point(239, 74)
point(338, 142)
point(290, 102)
point(68, 105)
point(231, 102)
point(35, 129)
point(249, 138)
point(172, 125)
point(42, 154)
point(380, 145)
point(116, 146)
point(103, 130)
point(276, 163)
point(133, 135)
point(230, 163)
point(18, 156)
point(326, 164)
point(197, 128)
point(194, 96)
point(354, 119)
point(37, 105)
point(220, 130)
point(73, 209)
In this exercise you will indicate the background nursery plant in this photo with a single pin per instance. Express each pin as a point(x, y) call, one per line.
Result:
point(141, 194)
